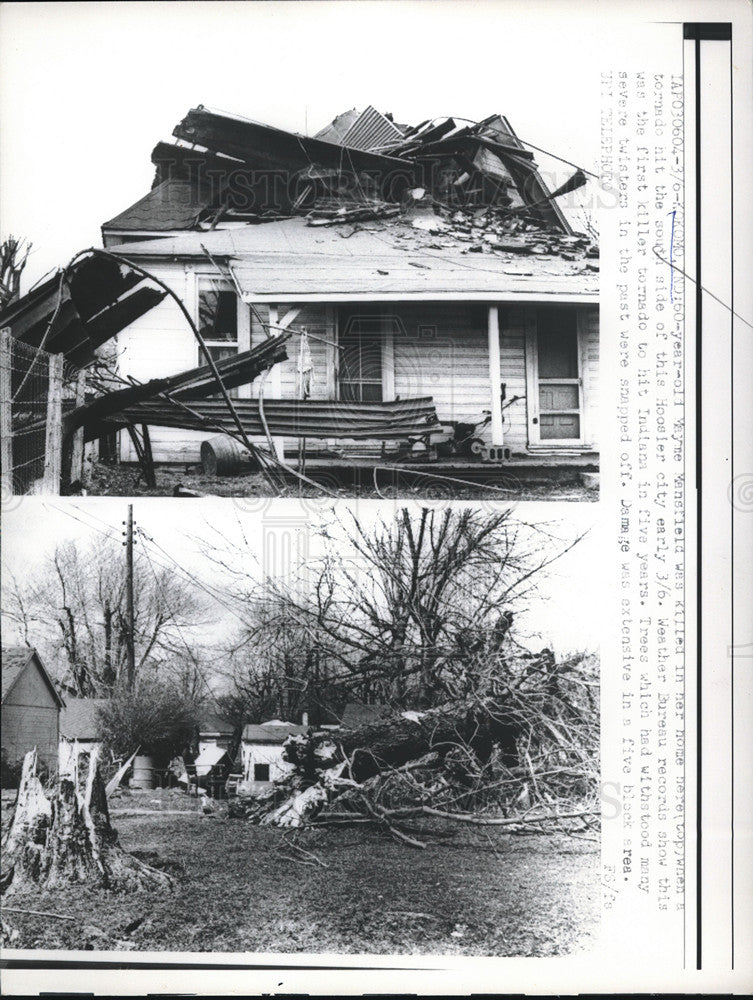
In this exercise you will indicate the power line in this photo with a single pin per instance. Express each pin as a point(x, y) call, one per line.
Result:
point(180, 632)
point(209, 590)
point(113, 533)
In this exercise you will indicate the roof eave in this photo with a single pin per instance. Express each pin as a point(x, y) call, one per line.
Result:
point(406, 295)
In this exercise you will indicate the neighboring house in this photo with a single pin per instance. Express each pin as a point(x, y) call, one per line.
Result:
point(261, 749)
point(215, 732)
point(357, 714)
point(30, 706)
point(481, 318)
point(79, 726)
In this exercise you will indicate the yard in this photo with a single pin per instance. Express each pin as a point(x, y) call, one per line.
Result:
point(479, 484)
point(478, 892)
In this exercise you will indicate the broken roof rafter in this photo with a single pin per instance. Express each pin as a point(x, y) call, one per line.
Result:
point(245, 170)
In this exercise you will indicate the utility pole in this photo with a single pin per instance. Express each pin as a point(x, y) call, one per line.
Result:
point(129, 597)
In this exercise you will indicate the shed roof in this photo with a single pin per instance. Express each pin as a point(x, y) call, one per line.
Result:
point(289, 260)
point(210, 724)
point(78, 720)
point(276, 733)
point(208, 758)
point(15, 659)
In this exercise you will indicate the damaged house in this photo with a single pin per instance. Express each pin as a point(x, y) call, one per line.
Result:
point(377, 293)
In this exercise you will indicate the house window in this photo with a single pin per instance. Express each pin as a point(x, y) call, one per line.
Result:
point(218, 320)
point(558, 390)
point(261, 772)
point(360, 356)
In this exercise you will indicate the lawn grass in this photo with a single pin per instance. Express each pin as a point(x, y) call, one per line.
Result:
point(123, 480)
point(479, 892)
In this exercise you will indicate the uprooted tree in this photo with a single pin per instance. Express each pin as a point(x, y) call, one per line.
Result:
point(525, 758)
point(67, 838)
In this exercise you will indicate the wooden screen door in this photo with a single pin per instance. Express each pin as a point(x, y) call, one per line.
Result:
point(556, 416)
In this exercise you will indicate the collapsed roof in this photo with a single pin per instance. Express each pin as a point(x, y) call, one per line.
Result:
point(224, 169)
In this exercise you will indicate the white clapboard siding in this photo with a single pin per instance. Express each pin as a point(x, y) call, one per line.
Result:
point(283, 378)
point(161, 343)
point(158, 344)
point(439, 350)
point(443, 353)
point(512, 323)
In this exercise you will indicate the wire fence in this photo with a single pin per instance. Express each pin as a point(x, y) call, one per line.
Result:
point(36, 389)
point(25, 374)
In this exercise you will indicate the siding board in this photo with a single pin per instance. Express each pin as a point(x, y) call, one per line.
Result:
point(440, 349)
point(30, 718)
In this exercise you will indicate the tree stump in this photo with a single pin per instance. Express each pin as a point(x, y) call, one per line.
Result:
point(69, 839)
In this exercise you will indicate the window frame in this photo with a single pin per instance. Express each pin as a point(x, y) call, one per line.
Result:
point(386, 335)
point(262, 764)
point(202, 279)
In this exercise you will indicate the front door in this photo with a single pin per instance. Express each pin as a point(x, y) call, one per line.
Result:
point(555, 411)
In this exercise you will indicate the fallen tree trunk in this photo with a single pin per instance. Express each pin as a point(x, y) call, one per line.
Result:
point(396, 740)
point(69, 839)
point(524, 759)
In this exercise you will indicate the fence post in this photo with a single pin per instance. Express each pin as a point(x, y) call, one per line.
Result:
point(77, 447)
point(54, 437)
point(6, 408)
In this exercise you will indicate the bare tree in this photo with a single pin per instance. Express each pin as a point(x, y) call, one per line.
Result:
point(418, 601)
point(74, 610)
point(13, 257)
point(278, 670)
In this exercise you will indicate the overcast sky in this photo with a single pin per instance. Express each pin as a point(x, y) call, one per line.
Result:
point(180, 534)
point(87, 90)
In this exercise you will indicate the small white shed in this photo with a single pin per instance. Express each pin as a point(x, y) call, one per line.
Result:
point(261, 749)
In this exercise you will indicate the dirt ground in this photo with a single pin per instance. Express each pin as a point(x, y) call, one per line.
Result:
point(240, 888)
point(124, 480)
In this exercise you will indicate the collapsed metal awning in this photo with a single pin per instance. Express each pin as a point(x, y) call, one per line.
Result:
point(80, 308)
point(193, 384)
point(291, 418)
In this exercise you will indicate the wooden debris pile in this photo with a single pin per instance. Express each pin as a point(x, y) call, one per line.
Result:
point(78, 309)
point(176, 393)
point(525, 758)
point(362, 167)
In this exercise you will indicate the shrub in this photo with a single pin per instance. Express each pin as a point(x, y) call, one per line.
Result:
point(10, 771)
point(155, 717)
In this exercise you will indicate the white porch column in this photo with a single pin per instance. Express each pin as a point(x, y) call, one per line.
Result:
point(495, 377)
point(274, 380)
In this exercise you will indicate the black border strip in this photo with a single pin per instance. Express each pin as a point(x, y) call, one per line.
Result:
point(699, 507)
point(732, 506)
point(698, 32)
point(708, 31)
point(134, 965)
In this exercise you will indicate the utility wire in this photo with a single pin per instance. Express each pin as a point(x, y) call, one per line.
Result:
point(179, 629)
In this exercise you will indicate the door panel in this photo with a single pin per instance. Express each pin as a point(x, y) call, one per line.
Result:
point(556, 396)
point(559, 426)
point(556, 416)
